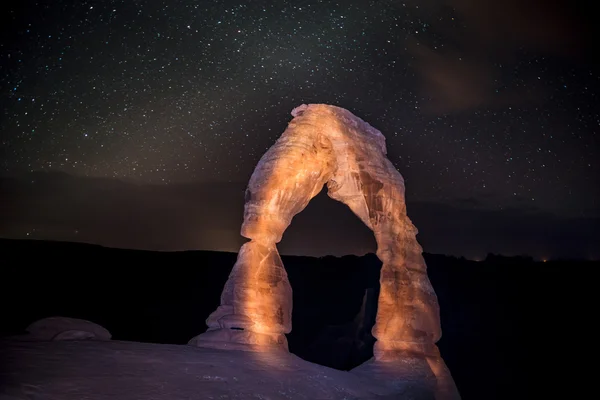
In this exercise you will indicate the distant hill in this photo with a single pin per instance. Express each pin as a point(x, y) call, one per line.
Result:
point(208, 215)
point(499, 316)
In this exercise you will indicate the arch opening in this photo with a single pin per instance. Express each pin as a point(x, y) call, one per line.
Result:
point(335, 295)
point(326, 228)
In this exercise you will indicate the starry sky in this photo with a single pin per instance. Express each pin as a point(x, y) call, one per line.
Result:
point(486, 106)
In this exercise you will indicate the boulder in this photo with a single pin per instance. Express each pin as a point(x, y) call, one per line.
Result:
point(63, 328)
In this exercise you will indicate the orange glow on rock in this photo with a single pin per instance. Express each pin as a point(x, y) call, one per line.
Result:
point(325, 145)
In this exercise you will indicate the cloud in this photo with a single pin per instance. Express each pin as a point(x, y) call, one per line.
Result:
point(452, 82)
point(208, 216)
point(463, 58)
point(554, 27)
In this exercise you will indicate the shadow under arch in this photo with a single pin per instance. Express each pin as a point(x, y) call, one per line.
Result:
point(327, 145)
point(335, 295)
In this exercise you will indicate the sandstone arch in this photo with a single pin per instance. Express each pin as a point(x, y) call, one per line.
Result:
point(326, 145)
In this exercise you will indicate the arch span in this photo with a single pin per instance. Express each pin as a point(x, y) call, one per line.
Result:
point(326, 145)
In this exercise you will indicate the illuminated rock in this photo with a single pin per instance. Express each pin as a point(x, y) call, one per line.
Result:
point(327, 145)
point(259, 286)
point(63, 328)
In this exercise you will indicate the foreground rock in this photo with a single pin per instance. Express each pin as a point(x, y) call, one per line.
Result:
point(129, 370)
point(63, 328)
point(327, 145)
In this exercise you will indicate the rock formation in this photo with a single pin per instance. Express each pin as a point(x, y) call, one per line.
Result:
point(63, 328)
point(327, 145)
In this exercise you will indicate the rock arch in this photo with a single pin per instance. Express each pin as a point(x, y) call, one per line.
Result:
point(326, 145)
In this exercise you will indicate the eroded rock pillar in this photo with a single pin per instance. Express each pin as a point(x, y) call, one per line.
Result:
point(408, 317)
point(408, 310)
point(256, 303)
point(406, 357)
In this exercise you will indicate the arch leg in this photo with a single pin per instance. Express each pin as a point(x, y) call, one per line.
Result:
point(408, 317)
point(256, 302)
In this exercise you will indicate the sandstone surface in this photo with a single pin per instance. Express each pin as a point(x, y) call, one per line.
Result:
point(75, 370)
point(328, 145)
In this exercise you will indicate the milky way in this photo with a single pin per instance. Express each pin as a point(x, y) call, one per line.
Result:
point(497, 106)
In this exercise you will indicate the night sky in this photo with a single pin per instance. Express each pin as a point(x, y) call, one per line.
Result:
point(488, 107)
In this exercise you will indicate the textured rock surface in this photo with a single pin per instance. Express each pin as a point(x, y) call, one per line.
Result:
point(63, 328)
point(327, 145)
point(422, 373)
point(129, 370)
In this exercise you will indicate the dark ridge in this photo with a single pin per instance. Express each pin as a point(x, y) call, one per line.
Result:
point(501, 317)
